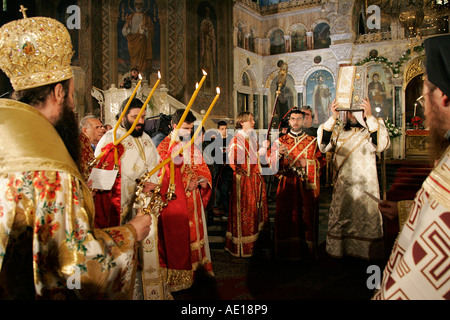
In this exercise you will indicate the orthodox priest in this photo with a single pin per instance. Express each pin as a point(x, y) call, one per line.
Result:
point(136, 155)
point(49, 248)
point(355, 223)
point(418, 267)
point(248, 206)
point(194, 178)
point(296, 218)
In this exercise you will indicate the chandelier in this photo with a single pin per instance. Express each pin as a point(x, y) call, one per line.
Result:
point(411, 14)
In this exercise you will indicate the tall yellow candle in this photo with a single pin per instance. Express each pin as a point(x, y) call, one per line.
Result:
point(126, 107)
point(188, 107)
point(153, 90)
point(144, 106)
point(116, 142)
point(197, 132)
point(187, 145)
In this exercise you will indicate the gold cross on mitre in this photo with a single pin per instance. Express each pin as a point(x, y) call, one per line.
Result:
point(23, 10)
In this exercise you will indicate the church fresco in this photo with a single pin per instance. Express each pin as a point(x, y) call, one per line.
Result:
point(379, 90)
point(139, 37)
point(320, 92)
point(322, 36)
point(207, 45)
point(298, 38)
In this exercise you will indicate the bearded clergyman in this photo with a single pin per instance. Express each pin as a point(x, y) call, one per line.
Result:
point(136, 155)
point(355, 224)
point(49, 248)
point(418, 267)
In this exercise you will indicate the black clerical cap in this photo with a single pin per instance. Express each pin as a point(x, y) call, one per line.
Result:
point(437, 50)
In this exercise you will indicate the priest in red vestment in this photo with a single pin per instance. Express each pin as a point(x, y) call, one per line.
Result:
point(196, 182)
point(297, 202)
point(248, 210)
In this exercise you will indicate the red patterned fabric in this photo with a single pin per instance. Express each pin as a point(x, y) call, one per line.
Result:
point(249, 212)
point(297, 202)
point(107, 202)
point(194, 201)
point(87, 154)
point(173, 227)
point(419, 265)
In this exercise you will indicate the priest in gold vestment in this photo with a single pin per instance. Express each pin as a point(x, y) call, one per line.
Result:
point(355, 223)
point(49, 248)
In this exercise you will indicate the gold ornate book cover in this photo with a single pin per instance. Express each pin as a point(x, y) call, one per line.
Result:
point(351, 87)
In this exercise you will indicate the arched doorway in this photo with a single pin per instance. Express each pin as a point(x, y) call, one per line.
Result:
point(412, 92)
point(416, 141)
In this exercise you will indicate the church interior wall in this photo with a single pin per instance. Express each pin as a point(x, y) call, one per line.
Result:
point(352, 43)
point(242, 32)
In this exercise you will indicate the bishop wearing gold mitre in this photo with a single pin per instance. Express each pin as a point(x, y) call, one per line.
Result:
point(49, 248)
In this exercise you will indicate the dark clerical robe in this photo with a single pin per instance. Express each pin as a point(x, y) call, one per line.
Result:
point(297, 204)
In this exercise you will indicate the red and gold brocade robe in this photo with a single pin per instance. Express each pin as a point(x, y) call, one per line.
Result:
point(87, 155)
point(190, 166)
point(296, 217)
point(47, 237)
point(248, 207)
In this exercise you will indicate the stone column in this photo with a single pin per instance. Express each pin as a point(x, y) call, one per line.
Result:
point(235, 36)
point(258, 46)
point(265, 47)
point(287, 43)
point(246, 41)
point(300, 93)
point(163, 22)
point(309, 40)
point(113, 46)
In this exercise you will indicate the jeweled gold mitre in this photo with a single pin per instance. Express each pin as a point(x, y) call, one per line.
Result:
point(35, 52)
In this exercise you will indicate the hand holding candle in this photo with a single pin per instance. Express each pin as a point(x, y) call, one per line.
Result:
point(187, 145)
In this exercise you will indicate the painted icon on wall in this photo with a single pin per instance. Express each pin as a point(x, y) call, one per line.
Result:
point(138, 31)
point(298, 38)
point(379, 90)
point(322, 36)
point(320, 92)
